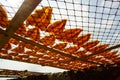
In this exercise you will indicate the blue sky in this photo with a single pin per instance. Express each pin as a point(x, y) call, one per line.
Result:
point(104, 27)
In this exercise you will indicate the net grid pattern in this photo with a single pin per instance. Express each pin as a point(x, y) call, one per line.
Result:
point(101, 21)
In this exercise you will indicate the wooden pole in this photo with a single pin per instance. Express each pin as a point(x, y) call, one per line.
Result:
point(24, 11)
point(43, 46)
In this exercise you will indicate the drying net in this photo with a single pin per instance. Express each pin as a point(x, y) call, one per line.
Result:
point(66, 34)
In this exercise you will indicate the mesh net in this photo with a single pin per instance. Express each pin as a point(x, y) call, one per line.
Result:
point(99, 17)
point(77, 27)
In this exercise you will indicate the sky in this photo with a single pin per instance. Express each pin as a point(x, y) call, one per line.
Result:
point(102, 23)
